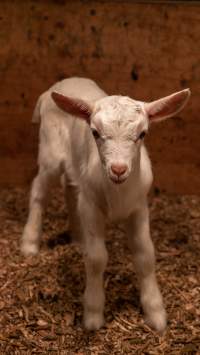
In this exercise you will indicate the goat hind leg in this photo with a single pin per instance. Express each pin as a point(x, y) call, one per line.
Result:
point(33, 228)
point(71, 194)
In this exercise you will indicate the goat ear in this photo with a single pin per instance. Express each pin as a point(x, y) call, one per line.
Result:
point(73, 106)
point(168, 106)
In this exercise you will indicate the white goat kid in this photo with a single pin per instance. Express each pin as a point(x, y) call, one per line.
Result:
point(96, 142)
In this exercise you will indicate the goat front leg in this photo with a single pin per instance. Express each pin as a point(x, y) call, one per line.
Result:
point(143, 251)
point(95, 254)
point(33, 228)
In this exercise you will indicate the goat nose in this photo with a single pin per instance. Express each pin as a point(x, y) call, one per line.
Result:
point(119, 169)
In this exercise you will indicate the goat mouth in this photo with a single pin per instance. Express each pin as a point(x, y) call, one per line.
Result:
point(117, 181)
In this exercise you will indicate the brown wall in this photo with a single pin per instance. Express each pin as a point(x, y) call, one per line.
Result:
point(143, 50)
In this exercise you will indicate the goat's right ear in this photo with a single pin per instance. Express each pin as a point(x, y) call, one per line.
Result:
point(75, 107)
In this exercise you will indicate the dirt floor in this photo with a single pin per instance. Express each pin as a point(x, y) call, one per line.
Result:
point(40, 298)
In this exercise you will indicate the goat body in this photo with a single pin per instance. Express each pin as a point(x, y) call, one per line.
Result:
point(96, 142)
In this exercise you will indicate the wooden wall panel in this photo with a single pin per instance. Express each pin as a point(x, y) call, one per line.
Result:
point(142, 50)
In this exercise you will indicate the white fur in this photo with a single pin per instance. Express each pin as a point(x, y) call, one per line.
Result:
point(67, 148)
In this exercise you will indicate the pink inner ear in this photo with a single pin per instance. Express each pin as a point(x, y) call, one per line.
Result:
point(168, 106)
point(158, 109)
point(75, 107)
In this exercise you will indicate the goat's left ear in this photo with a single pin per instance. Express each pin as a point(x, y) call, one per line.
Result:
point(75, 107)
point(168, 106)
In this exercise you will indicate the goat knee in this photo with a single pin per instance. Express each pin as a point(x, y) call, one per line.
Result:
point(96, 260)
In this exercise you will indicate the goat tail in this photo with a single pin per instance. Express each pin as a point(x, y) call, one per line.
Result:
point(36, 117)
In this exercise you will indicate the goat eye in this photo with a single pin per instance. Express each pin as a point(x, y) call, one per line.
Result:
point(95, 133)
point(142, 134)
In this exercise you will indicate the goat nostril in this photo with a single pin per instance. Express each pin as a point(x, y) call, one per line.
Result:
point(118, 169)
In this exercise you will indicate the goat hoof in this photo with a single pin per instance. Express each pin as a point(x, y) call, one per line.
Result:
point(29, 249)
point(93, 321)
point(157, 320)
